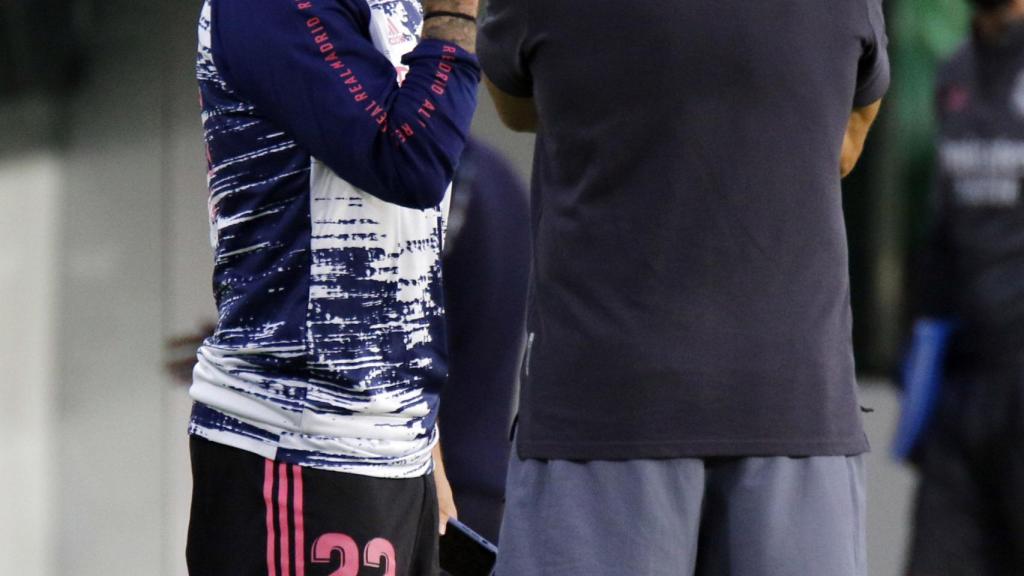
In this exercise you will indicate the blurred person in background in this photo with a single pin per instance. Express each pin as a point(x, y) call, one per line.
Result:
point(689, 402)
point(333, 131)
point(486, 265)
point(965, 428)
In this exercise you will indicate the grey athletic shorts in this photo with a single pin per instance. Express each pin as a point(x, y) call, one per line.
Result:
point(685, 517)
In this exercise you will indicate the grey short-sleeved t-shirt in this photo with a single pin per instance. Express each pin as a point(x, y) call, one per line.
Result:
point(690, 293)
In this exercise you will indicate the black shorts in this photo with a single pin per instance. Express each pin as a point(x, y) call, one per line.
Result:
point(969, 517)
point(256, 517)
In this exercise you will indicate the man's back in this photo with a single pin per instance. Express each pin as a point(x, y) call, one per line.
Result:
point(691, 294)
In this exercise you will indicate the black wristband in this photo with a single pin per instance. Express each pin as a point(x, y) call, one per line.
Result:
point(440, 13)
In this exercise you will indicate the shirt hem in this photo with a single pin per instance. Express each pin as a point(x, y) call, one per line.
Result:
point(872, 90)
point(511, 87)
point(248, 436)
point(690, 449)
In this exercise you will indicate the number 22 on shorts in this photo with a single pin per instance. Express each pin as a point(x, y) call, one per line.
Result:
point(377, 553)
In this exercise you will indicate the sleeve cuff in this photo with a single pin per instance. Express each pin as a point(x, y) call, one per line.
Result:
point(511, 87)
point(873, 90)
point(501, 73)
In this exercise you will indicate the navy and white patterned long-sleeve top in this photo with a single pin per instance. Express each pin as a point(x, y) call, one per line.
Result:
point(332, 136)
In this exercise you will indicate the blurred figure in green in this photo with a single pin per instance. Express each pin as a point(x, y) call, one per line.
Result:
point(969, 518)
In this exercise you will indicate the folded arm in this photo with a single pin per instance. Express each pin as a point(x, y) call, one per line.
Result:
point(311, 67)
point(856, 134)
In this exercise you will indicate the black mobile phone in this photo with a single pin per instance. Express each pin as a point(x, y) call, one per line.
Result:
point(466, 553)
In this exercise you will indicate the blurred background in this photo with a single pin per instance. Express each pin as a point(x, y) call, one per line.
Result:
point(104, 257)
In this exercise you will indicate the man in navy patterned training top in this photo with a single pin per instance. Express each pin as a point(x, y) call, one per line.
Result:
point(688, 401)
point(333, 131)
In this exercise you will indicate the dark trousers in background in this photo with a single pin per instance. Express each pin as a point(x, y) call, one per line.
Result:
point(969, 517)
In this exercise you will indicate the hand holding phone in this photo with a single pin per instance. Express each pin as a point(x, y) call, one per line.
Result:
point(466, 553)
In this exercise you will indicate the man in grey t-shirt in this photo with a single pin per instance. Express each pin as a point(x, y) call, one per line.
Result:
point(688, 397)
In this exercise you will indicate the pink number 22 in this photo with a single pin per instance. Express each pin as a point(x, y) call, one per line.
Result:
point(378, 552)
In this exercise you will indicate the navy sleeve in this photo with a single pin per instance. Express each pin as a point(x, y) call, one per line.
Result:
point(873, 69)
point(501, 45)
point(310, 67)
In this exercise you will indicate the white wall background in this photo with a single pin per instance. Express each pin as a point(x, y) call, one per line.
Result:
point(103, 256)
point(30, 192)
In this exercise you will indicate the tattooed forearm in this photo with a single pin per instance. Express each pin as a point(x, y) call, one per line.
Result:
point(457, 30)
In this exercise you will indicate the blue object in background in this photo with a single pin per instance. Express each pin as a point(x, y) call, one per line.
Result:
point(922, 376)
